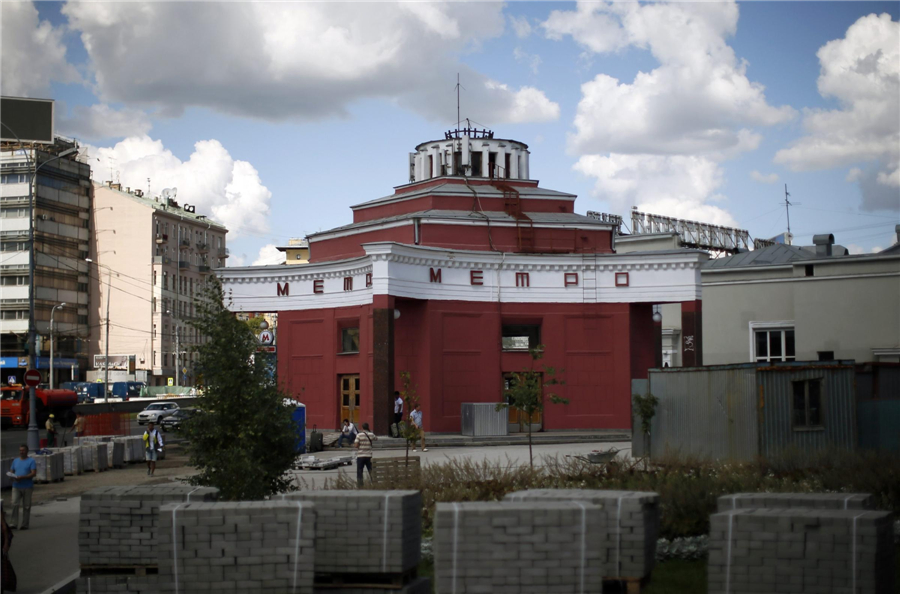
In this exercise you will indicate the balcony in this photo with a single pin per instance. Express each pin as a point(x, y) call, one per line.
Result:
point(203, 268)
point(185, 243)
point(184, 264)
point(161, 238)
point(223, 252)
point(161, 259)
point(202, 247)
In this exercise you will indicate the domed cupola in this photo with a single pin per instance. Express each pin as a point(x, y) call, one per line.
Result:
point(469, 152)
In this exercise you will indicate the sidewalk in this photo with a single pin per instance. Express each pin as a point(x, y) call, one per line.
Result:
point(47, 553)
point(456, 440)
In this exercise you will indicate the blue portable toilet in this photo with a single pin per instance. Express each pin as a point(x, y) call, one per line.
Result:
point(299, 418)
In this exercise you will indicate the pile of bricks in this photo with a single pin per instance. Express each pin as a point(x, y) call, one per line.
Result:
point(94, 457)
point(250, 546)
point(519, 547)
point(134, 448)
point(50, 468)
point(115, 452)
point(119, 524)
point(631, 521)
point(859, 501)
point(117, 584)
point(380, 531)
point(813, 551)
point(72, 463)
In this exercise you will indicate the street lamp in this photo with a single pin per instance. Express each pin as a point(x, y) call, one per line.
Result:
point(53, 311)
point(33, 439)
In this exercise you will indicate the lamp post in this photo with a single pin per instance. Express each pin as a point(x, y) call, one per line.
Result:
point(53, 311)
point(33, 439)
point(657, 339)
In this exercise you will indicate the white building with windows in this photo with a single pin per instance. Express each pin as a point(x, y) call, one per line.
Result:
point(786, 303)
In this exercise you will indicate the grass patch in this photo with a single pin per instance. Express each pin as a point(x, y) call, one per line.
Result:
point(688, 488)
point(678, 577)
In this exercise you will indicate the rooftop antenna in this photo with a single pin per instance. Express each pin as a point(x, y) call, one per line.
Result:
point(458, 87)
point(787, 207)
point(148, 186)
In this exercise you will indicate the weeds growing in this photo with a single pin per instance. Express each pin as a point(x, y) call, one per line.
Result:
point(688, 488)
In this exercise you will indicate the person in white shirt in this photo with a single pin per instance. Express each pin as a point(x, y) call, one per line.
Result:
point(348, 432)
point(153, 445)
point(415, 417)
point(363, 443)
point(398, 411)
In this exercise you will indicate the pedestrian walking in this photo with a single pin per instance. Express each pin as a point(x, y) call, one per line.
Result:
point(415, 417)
point(398, 412)
point(363, 443)
point(50, 425)
point(79, 425)
point(23, 470)
point(153, 445)
point(348, 432)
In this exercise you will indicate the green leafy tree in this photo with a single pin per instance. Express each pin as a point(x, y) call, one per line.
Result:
point(645, 408)
point(244, 440)
point(408, 393)
point(255, 324)
point(526, 393)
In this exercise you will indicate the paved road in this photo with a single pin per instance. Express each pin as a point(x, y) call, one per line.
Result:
point(514, 455)
point(11, 439)
point(47, 552)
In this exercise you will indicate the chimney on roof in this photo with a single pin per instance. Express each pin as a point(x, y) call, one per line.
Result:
point(824, 244)
point(897, 231)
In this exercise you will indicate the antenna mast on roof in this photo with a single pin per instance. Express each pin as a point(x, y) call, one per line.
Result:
point(457, 100)
point(787, 207)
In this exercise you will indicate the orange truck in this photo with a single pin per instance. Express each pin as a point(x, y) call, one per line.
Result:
point(14, 409)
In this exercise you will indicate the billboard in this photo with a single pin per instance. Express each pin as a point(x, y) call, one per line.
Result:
point(119, 362)
point(27, 120)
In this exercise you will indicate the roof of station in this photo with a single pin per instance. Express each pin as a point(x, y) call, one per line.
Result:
point(454, 187)
point(493, 216)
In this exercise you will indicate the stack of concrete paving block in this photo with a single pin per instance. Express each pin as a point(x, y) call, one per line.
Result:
point(632, 521)
point(50, 467)
point(118, 525)
point(72, 463)
point(115, 452)
point(91, 457)
point(813, 551)
point(133, 448)
point(117, 584)
point(512, 547)
point(381, 531)
point(249, 546)
point(859, 501)
point(88, 439)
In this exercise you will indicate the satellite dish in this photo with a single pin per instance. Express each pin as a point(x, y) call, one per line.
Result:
point(165, 192)
point(174, 192)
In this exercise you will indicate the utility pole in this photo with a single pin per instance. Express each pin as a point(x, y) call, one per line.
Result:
point(787, 208)
point(106, 365)
point(53, 311)
point(177, 355)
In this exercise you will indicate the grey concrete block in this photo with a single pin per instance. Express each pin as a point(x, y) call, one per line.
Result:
point(801, 550)
point(631, 521)
point(860, 501)
point(365, 531)
point(528, 546)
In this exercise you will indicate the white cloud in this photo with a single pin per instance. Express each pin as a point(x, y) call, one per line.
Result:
point(861, 71)
point(764, 178)
point(293, 60)
point(533, 60)
point(528, 104)
point(521, 26)
point(101, 121)
point(674, 124)
point(269, 256)
point(858, 249)
point(676, 186)
point(228, 190)
point(32, 53)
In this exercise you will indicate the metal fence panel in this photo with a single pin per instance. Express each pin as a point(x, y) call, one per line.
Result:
point(482, 419)
point(777, 432)
point(707, 413)
point(878, 406)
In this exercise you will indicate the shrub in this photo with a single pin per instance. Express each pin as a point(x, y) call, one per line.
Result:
point(688, 488)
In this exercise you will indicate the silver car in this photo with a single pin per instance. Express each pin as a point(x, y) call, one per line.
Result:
point(156, 412)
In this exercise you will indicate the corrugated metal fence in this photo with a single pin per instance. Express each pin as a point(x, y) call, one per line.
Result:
point(878, 406)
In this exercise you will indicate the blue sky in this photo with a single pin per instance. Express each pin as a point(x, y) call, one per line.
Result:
point(305, 109)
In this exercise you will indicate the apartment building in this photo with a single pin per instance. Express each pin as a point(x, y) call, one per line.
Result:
point(62, 195)
point(152, 257)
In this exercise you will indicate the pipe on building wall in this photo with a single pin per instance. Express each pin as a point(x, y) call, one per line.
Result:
point(416, 223)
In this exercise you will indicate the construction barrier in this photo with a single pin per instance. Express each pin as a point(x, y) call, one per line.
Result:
point(107, 424)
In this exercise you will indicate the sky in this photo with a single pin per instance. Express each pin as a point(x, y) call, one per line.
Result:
point(275, 118)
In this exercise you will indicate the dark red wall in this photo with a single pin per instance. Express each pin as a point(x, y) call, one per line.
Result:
point(465, 203)
point(453, 351)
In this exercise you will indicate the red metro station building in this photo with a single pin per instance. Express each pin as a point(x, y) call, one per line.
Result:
point(451, 278)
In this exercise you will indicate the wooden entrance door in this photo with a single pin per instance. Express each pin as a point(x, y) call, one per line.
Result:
point(517, 420)
point(349, 385)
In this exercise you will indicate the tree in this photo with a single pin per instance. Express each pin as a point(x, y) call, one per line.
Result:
point(255, 324)
point(645, 408)
point(410, 398)
point(526, 392)
point(244, 440)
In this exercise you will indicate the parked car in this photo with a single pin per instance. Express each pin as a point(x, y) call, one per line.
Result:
point(156, 412)
point(175, 420)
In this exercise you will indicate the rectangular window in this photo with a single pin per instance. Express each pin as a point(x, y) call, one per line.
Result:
point(154, 278)
point(774, 345)
point(807, 405)
point(520, 337)
point(475, 157)
point(349, 340)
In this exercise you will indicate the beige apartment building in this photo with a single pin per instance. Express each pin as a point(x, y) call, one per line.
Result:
point(152, 256)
